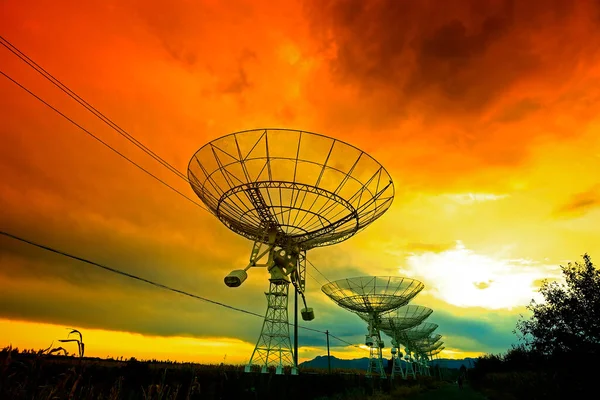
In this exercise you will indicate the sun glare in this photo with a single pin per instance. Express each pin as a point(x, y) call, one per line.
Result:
point(463, 278)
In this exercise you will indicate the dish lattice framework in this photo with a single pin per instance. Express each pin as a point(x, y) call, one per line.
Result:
point(418, 332)
point(428, 340)
point(425, 344)
point(310, 189)
point(372, 294)
point(425, 350)
point(404, 318)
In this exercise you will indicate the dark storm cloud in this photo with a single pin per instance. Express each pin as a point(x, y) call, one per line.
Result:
point(458, 55)
point(492, 331)
point(113, 249)
point(46, 287)
point(134, 310)
point(444, 58)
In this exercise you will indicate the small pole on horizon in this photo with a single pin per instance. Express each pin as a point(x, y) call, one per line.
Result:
point(328, 356)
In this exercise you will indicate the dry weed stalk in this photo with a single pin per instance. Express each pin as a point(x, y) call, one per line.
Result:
point(57, 349)
point(80, 344)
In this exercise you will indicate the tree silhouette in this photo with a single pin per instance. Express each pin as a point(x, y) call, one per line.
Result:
point(568, 321)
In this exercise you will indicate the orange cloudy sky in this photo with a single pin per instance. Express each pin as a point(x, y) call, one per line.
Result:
point(484, 113)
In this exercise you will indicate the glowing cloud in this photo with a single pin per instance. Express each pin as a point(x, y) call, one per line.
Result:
point(470, 198)
point(463, 278)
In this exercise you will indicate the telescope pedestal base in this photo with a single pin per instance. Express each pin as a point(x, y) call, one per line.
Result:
point(397, 368)
point(376, 363)
point(410, 369)
point(274, 347)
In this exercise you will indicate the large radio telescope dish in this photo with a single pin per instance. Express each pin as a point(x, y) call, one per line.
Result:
point(289, 191)
point(312, 190)
point(372, 294)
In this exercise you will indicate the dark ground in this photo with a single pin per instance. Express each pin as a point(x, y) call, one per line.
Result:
point(450, 392)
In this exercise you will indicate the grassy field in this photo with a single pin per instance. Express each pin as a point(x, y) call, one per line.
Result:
point(42, 376)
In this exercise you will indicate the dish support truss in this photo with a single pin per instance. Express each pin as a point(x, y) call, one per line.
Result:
point(413, 365)
point(397, 356)
point(410, 364)
point(285, 265)
point(274, 346)
point(419, 364)
point(375, 343)
point(396, 362)
point(422, 363)
point(433, 356)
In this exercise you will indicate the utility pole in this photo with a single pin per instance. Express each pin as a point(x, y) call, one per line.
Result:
point(328, 356)
point(296, 328)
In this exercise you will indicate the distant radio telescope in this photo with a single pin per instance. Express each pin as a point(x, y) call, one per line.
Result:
point(369, 297)
point(288, 191)
point(408, 338)
point(423, 350)
point(393, 324)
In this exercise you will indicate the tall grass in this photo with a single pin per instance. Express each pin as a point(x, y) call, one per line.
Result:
point(43, 375)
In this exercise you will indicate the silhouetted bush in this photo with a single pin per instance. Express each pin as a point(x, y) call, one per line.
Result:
point(559, 347)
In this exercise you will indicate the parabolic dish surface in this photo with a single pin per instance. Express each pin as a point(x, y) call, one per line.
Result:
point(404, 318)
point(312, 190)
point(427, 341)
point(372, 294)
point(418, 332)
point(430, 347)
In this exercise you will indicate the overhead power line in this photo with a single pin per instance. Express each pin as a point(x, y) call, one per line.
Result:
point(100, 140)
point(316, 269)
point(313, 277)
point(12, 48)
point(23, 57)
point(55, 81)
point(64, 88)
point(156, 284)
point(121, 154)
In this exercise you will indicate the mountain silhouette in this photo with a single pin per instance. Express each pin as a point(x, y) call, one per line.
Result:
point(362, 363)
